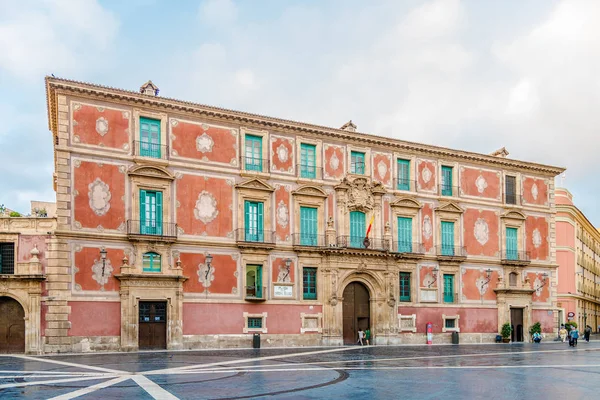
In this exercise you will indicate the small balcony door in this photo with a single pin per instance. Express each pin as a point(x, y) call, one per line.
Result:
point(150, 212)
point(253, 231)
point(357, 228)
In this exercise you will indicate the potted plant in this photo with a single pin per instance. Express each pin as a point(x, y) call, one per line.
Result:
point(505, 332)
point(535, 328)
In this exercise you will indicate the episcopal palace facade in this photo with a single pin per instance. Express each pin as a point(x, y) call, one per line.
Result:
point(181, 226)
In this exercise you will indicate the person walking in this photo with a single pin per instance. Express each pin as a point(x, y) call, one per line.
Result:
point(587, 332)
point(563, 333)
point(574, 336)
point(361, 336)
point(368, 336)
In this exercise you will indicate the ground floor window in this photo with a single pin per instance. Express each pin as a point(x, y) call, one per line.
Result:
point(309, 283)
point(255, 323)
point(450, 323)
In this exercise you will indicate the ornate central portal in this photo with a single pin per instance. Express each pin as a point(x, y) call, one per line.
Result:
point(356, 311)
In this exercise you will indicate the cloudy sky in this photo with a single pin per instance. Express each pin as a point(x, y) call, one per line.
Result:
point(468, 74)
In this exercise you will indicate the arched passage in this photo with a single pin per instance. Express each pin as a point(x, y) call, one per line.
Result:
point(12, 326)
point(356, 311)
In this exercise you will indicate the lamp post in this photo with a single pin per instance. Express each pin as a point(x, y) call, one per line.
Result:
point(208, 260)
point(434, 271)
point(288, 263)
point(103, 258)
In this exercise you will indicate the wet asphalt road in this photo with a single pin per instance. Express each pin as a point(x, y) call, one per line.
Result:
point(502, 371)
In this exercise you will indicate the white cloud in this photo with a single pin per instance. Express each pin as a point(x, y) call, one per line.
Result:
point(217, 12)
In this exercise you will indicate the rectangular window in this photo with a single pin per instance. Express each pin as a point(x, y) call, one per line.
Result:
point(7, 258)
point(254, 288)
point(151, 262)
point(357, 228)
point(448, 288)
point(150, 212)
point(447, 238)
point(255, 322)
point(511, 244)
point(450, 323)
point(308, 161)
point(404, 235)
point(253, 215)
point(254, 153)
point(150, 137)
point(404, 286)
point(511, 190)
point(357, 163)
point(309, 280)
point(403, 174)
point(308, 226)
point(446, 181)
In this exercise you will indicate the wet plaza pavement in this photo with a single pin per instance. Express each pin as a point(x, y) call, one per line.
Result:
point(503, 371)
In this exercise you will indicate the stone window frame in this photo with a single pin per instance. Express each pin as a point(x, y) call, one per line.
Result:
point(455, 317)
point(518, 188)
point(407, 317)
point(266, 144)
point(409, 208)
point(306, 316)
point(367, 152)
point(455, 178)
point(14, 239)
point(164, 137)
point(313, 197)
point(449, 212)
point(512, 219)
point(258, 191)
point(300, 140)
point(251, 259)
point(412, 173)
point(255, 330)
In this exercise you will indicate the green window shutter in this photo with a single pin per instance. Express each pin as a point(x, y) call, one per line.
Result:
point(357, 163)
point(446, 181)
point(254, 153)
point(448, 288)
point(511, 244)
point(143, 201)
point(357, 228)
point(308, 161)
point(404, 286)
point(259, 289)
point(159, 213)
point(403, 174)
point(447, 238)
point(309, 283)
point(260, 222)
point(150, 138)
point(404, 235)
point(151, 262)
point(253, 231)
point(308, 226)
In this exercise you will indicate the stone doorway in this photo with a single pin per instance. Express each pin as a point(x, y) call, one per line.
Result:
point(153, 325)
point(516, 321)
point(12, 326)
point(356, 311)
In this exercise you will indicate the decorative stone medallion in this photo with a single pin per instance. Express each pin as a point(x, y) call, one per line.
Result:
point(282, 153)
point(382, 169)
point(284, 274)
point(481, 231)
point(282, 214)
point(102, 126)
point(426, 174)
point(204, 143)
point(537, 238)
point(427, 227)
point(206, 276)
point(97, 272)
point(481, 184)
point(206, 207)
point(534, 191)
point(99, 197)
point(334, 162)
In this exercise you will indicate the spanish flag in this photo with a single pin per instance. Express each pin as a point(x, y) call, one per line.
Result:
point(370, 225)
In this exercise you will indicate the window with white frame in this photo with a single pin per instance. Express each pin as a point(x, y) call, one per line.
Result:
point(450, 323)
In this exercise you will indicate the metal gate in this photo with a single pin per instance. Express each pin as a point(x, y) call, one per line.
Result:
point(356, 311)
point(12, 326)
point(153, 325)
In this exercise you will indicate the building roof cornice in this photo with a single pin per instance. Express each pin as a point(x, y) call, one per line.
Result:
point(580, 218)
point(54, 84)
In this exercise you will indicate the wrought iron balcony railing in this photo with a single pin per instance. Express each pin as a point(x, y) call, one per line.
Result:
point(255, 293)
point(451, 251)
point(448, 190)
point(408, 247)
point(406, 184)
point(152, 150)
point(361, 242)
point(515, 256)
point(152, 228)
point(308, 240)
point(308, 171)
point(255, 164)
point(249, 235)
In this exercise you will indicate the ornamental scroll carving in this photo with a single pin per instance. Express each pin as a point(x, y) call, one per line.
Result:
point(360, 193)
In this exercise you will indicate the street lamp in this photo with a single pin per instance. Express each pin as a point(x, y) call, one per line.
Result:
point(103, 258)
point(288, 263)
point(434, 271)
point(208, 259)
point(544, 281)
point(488, 275)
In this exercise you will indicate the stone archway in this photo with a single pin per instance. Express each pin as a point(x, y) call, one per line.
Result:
point(12, 326)
point(356, 311)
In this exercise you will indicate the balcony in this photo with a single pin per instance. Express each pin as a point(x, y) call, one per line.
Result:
point(516, 258)
point(451, 253)
point(361, 242)
point(255, 238)
point(406, 184)
point(150, 150)
point(450, 298)
point(151, 230)
point(448, 191)
point(408, 250)
point(308, 240)
point(252, 164)
point(307, 171)
point(255, 293)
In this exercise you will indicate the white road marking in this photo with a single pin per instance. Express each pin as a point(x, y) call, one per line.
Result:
point(91, 389)
point(53, 372)
point(68, 364)
point(74, 375)
point(245, 360)
point(21, 384)
point(153, 389)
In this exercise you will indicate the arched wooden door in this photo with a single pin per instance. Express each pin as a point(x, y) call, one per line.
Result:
point(12, 326)
point(356, 311)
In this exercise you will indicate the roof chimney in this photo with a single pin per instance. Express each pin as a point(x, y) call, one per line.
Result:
point(349, 126)
point(149, 88)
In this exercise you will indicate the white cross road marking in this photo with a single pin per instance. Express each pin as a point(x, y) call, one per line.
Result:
point(21, 384)
point(51, 375)
point(153, 389)
point(68, 364)
point(91, 389)
point(53, 372)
